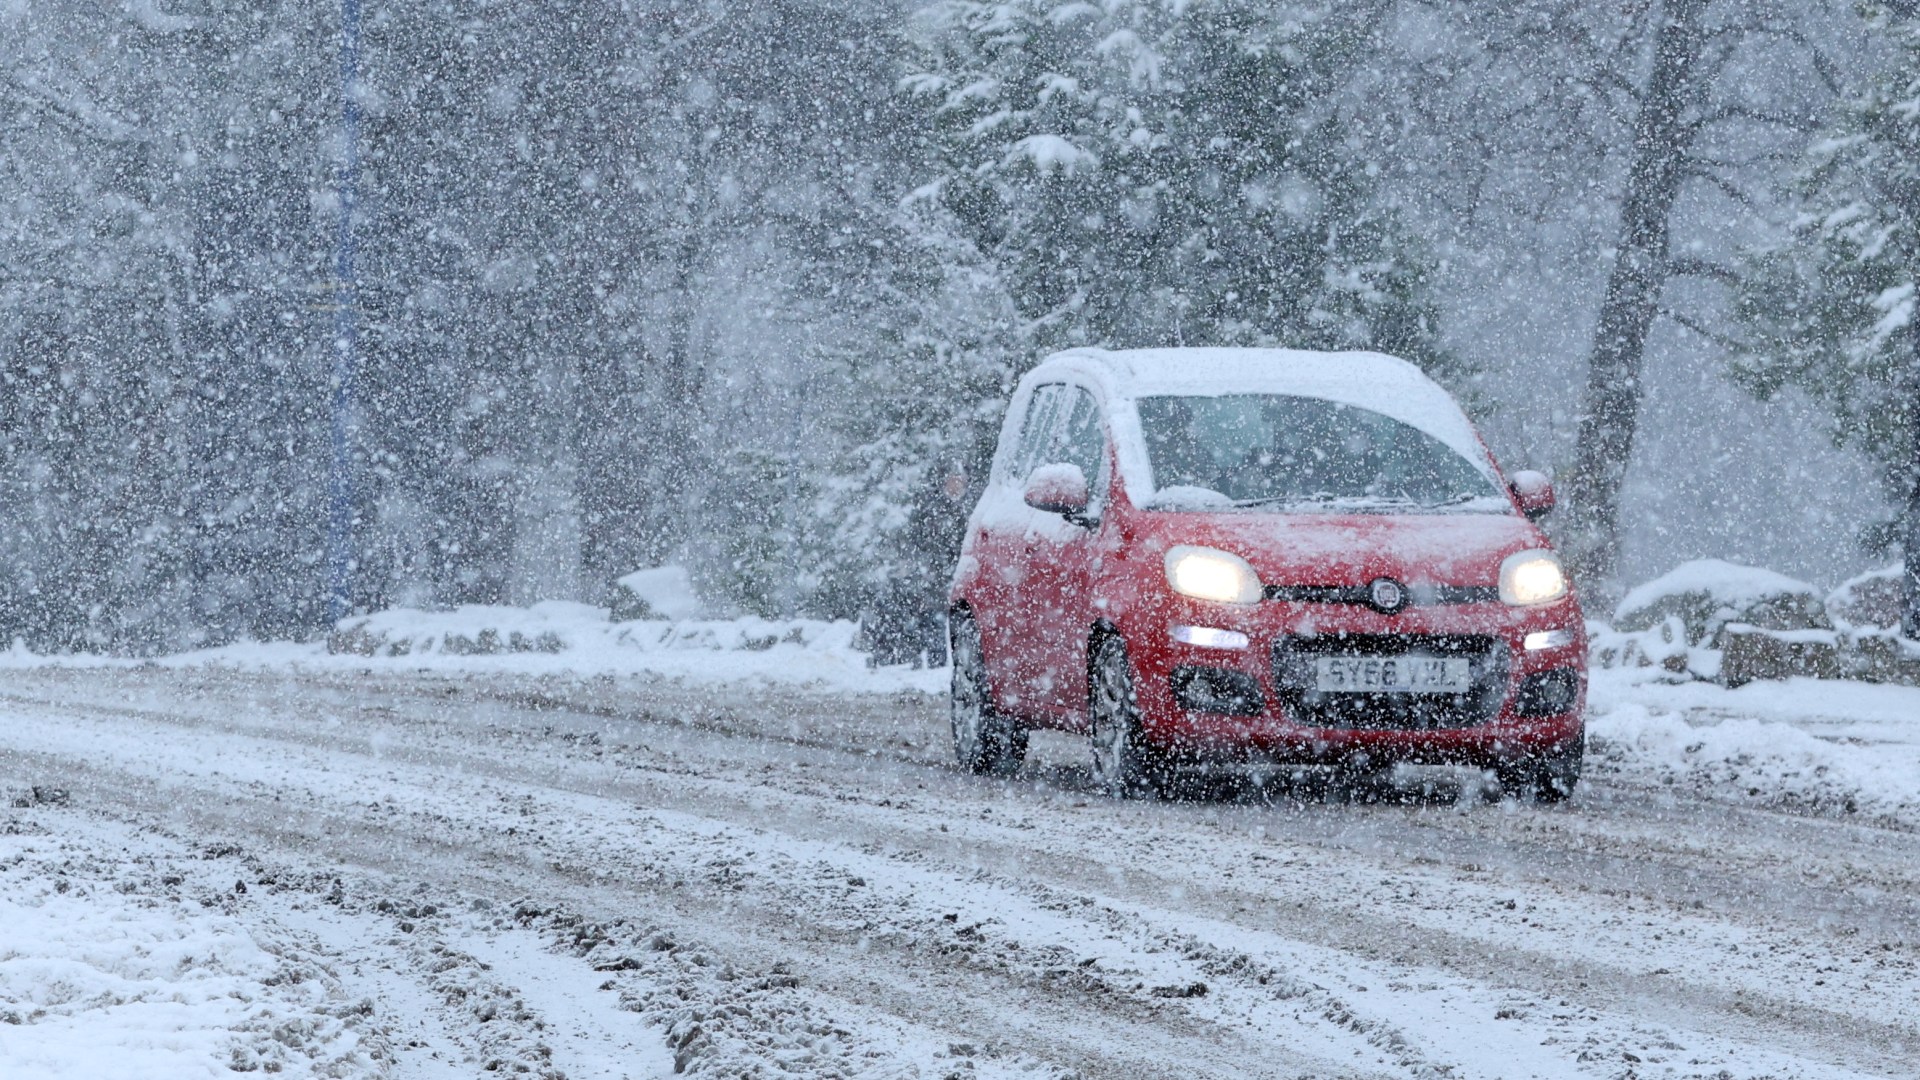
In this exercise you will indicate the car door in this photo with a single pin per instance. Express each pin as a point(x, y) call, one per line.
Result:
point(1005, 607)
point(1059, 559)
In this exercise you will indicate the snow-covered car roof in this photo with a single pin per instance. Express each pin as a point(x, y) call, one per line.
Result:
point(1370, 380)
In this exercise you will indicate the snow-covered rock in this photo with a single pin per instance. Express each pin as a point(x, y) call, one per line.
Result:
point(660, 592)
point(468, 630)
point(1871, 601)
point(1663, 646)
point(1707, 594)
point(1751, 653)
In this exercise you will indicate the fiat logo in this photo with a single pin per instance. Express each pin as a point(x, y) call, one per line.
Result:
point(1387, 595)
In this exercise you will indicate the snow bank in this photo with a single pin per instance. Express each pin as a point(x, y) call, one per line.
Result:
point(1833, 746)
point(556, 627)
point(560, 638)
point(557, 638)
point(469, 630)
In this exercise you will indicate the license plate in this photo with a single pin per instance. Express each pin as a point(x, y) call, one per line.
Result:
point(1392, 674)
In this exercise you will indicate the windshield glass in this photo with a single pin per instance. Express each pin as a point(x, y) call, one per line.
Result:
point(1211, 453)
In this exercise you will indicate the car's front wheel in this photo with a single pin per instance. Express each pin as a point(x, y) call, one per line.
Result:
point(1125, 764)
point(984, 741)
point(1547, 778)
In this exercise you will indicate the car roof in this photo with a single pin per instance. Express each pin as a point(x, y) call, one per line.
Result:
point(1370, 380)
point(1133, 373)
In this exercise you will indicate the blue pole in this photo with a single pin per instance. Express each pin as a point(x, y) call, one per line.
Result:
point(345, 303)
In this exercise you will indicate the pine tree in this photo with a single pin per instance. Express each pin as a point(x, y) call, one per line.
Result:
point(1160, 174)
point(931, 369)
point(1832, 307)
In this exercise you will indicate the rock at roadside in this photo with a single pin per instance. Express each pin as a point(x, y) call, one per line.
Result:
point(471, 630)
point(1708, 595)
point(661, 592)
point(1751, 653)
point(1872, 601)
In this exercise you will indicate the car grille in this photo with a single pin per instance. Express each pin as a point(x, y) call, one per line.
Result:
point(1359, 596)
point(1294, 683)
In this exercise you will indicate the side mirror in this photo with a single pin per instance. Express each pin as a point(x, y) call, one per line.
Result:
point(1534, 492)
point(1059, 489)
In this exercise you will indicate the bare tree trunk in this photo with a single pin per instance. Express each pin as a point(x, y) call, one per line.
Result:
point(1611, 408)
point(611, 441)
point(1910, 514)
point(675, 450)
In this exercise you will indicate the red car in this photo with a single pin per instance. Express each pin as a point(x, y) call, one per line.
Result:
point(1261, 555)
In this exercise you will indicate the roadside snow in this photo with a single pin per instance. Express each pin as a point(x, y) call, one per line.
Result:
point(1833, 746)
point(556, 638)
point(111, 966)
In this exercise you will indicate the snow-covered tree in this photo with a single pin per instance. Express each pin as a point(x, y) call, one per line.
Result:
point(1152, 173)
point(1831, 308)
point(931, 368)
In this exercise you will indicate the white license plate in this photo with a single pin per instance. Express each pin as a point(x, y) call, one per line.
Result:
point(1392, 674)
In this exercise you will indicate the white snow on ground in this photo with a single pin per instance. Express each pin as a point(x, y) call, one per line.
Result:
point(116, 961)
point(596, 1039)
point(121, 955)
point(1844, 746)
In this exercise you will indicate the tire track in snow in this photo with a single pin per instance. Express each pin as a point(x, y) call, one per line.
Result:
point(256, 801)
point(712, 790)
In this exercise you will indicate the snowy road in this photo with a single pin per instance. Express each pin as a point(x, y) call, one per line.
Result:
point(618, 877)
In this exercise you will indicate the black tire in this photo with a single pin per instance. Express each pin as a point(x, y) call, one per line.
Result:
point(1125, 764)
point(1545, 778)
point(984, 741)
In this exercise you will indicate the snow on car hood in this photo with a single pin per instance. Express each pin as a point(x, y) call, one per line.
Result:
point(1353, 549)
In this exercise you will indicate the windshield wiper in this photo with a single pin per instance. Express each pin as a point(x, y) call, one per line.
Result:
point(1327, 498)
point(1359, 504)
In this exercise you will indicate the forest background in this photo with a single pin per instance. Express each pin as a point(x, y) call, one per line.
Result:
point(725, 283)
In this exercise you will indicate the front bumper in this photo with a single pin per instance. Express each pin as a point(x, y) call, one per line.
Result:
point(1257, 701)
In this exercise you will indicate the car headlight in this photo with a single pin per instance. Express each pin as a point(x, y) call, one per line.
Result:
point(1210, 574)
point(1531, 578)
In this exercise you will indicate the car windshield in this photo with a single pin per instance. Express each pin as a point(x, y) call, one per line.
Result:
point(1277, 450)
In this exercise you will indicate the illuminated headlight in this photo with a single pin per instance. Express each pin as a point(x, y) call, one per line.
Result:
point(1548, 639)
point(1209, 574)
point(1530, 578)
point(1210, 637)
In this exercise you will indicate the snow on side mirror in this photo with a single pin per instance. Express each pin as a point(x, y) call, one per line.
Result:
point(1059, 489)
point(1534, 492)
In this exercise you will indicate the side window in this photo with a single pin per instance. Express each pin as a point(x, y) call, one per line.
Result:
point(1036, 432)
point(1080, 441)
